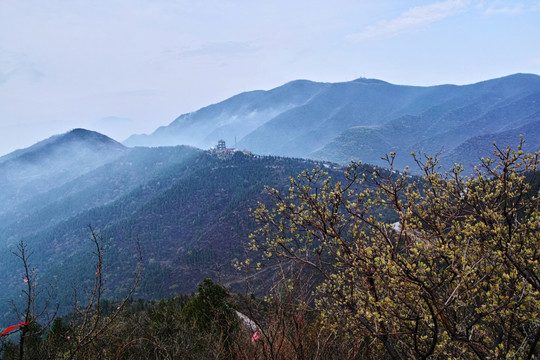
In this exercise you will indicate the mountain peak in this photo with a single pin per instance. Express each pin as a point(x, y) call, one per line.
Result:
point(87, 137)
point(370, 81)
point(74, 140)
point(80, 134)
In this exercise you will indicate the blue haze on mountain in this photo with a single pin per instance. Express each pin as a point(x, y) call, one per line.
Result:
point(51, 163)
point(364, 119)
point(190, 208)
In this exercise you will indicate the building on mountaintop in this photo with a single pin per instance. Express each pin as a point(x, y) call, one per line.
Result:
point(221, 145)
point(223, 152)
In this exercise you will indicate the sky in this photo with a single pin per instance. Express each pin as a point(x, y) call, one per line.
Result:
point(129, 66)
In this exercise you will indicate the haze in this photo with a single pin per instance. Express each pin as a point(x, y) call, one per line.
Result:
point(124, 67)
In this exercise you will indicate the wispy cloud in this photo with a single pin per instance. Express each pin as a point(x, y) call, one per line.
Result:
point(411, 19)
point(514, 10)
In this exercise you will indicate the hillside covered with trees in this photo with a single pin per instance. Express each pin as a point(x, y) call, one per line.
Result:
point(188, 209)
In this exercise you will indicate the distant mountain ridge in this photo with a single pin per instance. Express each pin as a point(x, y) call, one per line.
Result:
point(237, 116)
point(362, 119)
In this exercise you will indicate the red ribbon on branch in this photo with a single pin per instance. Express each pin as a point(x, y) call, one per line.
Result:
point(14, 327)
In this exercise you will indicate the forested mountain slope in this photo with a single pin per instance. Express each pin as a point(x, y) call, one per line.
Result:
point(188, 208)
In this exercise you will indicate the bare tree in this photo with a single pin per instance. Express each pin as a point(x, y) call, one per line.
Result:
point(88, 321)
point(30, 312)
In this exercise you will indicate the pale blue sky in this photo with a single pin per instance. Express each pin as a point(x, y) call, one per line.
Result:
point(129, 66)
